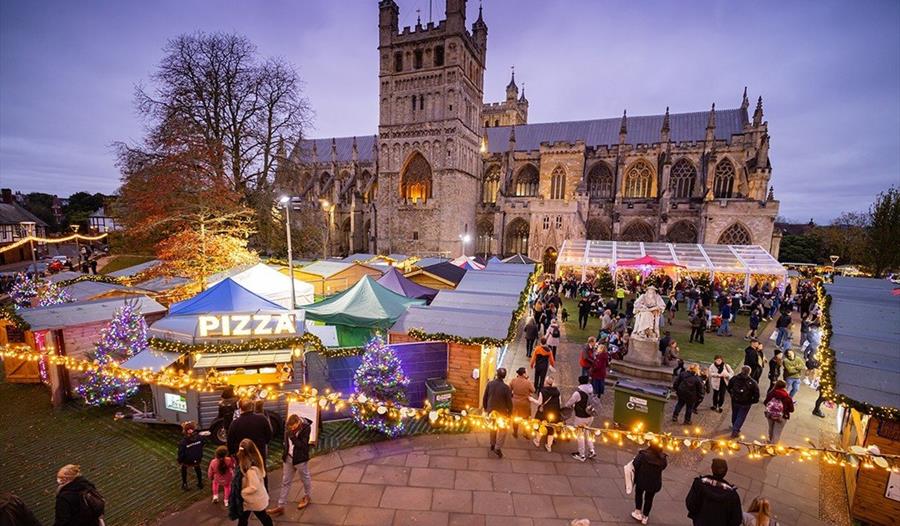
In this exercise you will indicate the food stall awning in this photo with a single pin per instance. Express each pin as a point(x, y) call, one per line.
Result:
point(225, 296)
point(151, 359)
point(366, 304)
point(646, 261)
point(243, 359)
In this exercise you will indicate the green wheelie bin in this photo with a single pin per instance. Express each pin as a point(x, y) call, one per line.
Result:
point(637, 402)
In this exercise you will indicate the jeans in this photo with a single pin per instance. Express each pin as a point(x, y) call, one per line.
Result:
point(782, 332)
point(261, 515)
point(598, 384)
point(529, 346)
point(540, 374)
point(643, 500)
point(287, 478)
point(689, 410)
point(719, 395)
point(696, 334)
point(739, 413)
point(775, 429)
point(723, 329)
point(793, 385)
point(582, 320)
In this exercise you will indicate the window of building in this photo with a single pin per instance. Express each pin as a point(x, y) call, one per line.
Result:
point(439, 56)
point(414, 103)
point(417, 59)
point(421, 102)
point(526, 183)
point(484, 235)
point(681, 179)
point(558, 183)
point(682, 232)
point(637, 231)
point(736, 234)
point(490, 186)
point(723, 186)
point(415, 235)
point(517, 237)
point(415, 180)
point(398, 62)
point(496, 122)
point(600, 182)
point(487, 124)
point(638, 180)
point(546, 222)
point(558, 221)
point(597, 230)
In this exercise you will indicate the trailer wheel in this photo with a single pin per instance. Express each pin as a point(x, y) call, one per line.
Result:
point(218, 433)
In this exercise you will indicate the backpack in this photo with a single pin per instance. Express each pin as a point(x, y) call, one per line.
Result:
point(93, 502)
point(556, 332)
point(740, 390)
point(775, 409)
point(584, 405)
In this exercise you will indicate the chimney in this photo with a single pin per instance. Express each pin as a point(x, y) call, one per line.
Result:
point(7, 196)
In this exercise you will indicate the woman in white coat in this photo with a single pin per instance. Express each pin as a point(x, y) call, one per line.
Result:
point(719, 374)
point(553, 335)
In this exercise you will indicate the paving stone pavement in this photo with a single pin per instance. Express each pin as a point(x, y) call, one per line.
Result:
point(445, 480)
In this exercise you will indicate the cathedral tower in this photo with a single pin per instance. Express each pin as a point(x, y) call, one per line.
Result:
point(429, 131)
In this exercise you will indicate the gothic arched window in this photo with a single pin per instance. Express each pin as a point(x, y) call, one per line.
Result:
point(527, 182)
point(485, 233)
point(517, 237)
point(600, 182)
point(736, 234)
point(415, 179)
point(639, 179)
point(681, 179)
point(682, 232)
point(597, 230)
point(723, 186)
point(558, 183)
point(490, 186)
point(637, 231)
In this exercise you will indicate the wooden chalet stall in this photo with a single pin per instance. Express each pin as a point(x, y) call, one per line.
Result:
point(861, 351)
point(440, 276)
point(474, 321)
point(331, 277)
point(68, 329)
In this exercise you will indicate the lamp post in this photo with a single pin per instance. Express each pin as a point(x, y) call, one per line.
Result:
point(834, 259)
point(326, 207)
point(464, 239)
point(77, 246)
point(286, 201)
point(29, 229)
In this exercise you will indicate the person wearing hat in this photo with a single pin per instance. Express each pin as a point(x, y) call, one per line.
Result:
point(522, 389)
point(712, 500)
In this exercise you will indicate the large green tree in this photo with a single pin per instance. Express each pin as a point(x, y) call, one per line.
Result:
point(884, 232)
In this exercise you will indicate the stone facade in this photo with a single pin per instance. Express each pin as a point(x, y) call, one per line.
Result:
point(445, 164)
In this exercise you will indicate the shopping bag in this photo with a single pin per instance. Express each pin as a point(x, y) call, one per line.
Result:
point(629, 476)
point(774, 336)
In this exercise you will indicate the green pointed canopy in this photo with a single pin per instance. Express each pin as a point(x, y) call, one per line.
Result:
point(366, 304)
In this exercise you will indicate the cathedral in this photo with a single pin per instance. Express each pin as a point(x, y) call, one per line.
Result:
point(448, 174)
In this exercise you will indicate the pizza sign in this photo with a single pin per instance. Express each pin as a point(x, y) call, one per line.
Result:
point(247, 325)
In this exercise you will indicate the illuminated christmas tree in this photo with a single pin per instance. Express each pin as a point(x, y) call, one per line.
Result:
point(380, 378)
point(27, 288)
point(125, 336)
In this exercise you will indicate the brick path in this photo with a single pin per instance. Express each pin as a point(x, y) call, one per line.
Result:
point(453, 479)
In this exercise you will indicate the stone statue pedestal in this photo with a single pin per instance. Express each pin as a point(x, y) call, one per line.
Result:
point(644, 352)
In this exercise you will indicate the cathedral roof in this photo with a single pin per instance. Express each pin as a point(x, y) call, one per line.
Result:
point(599, 132)
point(343, 145)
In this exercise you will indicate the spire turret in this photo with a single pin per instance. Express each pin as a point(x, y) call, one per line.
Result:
point(745, 102)
point(623, 128)
point(333, 150)
point(664, 131)
point(512, 91)
point(355, 150)
point(711, 124)
point(758, 114)
point(522, 97)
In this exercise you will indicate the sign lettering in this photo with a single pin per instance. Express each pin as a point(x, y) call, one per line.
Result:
point(247, 325)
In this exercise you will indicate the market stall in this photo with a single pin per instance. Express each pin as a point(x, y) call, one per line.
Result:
point(741, 265)
point(330, 277)
point(267, 282)
point(394, 280)
point(367, 304)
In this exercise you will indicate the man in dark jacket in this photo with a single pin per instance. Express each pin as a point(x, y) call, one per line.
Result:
point(648, 467)
point(689, 389)
point(744, 393)
point(584, 310)
point(712, 501)
point(254, 426)
point(782, 325)
point(754, 358)
point(295, 458)
point(498, 399)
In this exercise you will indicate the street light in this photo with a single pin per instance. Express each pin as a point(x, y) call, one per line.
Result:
point(326, 207)
point(30, 229)
point(464, 238)
point(286, 202)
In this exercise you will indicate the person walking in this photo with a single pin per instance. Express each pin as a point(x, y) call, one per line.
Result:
point(497, 400)
point(712, 500)
point(587, 355)
point(744, 393)
point(698, 325)
point(295, 459)
point(582, 416)
point(190, 453)
point(531, 332)
point(759, 513)
point(552, 336)
point(648, 467)
point(620, 296)
point(78, 503)
point(754, 324)
point(220, 474)
point(725, 313)
point(775, 367)
point(522, 389)
point(779, 406)
point(252, 425)
point(253, 489)
point(599, 368)
point(755, 359)
point(794, 367)
point(548, 410)
point(719, 373)
point(541, 361)
point(782, 325)
point(689, 390)
point(584, 311)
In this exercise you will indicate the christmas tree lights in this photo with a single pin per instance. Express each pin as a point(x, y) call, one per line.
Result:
point(28, 290)
point(379, 378)
point(125, 336)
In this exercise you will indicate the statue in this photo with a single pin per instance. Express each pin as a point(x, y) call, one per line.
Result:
point(647, 310)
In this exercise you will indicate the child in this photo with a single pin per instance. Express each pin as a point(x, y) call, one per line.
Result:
point(221, 471)
point(190, 453)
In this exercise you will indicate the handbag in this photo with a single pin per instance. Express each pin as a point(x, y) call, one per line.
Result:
point(629, 476)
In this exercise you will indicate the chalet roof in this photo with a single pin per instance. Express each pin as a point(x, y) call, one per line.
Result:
point(14, 213)
point(81, 313)
point(343, 146)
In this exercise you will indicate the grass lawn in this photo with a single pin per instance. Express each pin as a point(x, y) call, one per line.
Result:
point(732, 348)
point(132, 464)
point(120, 262)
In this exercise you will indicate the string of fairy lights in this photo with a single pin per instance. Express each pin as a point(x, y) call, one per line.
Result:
point(689, 440)
point(51, 240)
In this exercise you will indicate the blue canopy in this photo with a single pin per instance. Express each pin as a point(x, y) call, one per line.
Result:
point(494, 259)
point(225, 296)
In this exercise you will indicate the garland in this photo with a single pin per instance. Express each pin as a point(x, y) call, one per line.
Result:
point(96, 278)
point(854, 456)
point(304, 341)
point(36, 239)
point(9, 313)
point(511, 332)
point(828, 379)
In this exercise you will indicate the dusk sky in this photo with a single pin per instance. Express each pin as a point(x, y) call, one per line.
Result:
point(828, 72)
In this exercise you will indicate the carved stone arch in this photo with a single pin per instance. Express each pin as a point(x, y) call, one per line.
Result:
point(600, 181)
point(518, 233)
point(484, 232)
point(344, 243)
point(416, 179)
point(736, 234)
point(637, 230)
point(526, 181)
point(597, 230)
point(639, 180)
point(490, 184)
point(725, 179)
point(682, 179)
point(682, 232)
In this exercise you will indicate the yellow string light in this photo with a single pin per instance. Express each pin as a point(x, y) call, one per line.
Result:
point(26, 240)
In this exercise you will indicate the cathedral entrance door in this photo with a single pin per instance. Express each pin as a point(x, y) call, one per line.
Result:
point(550, 260)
